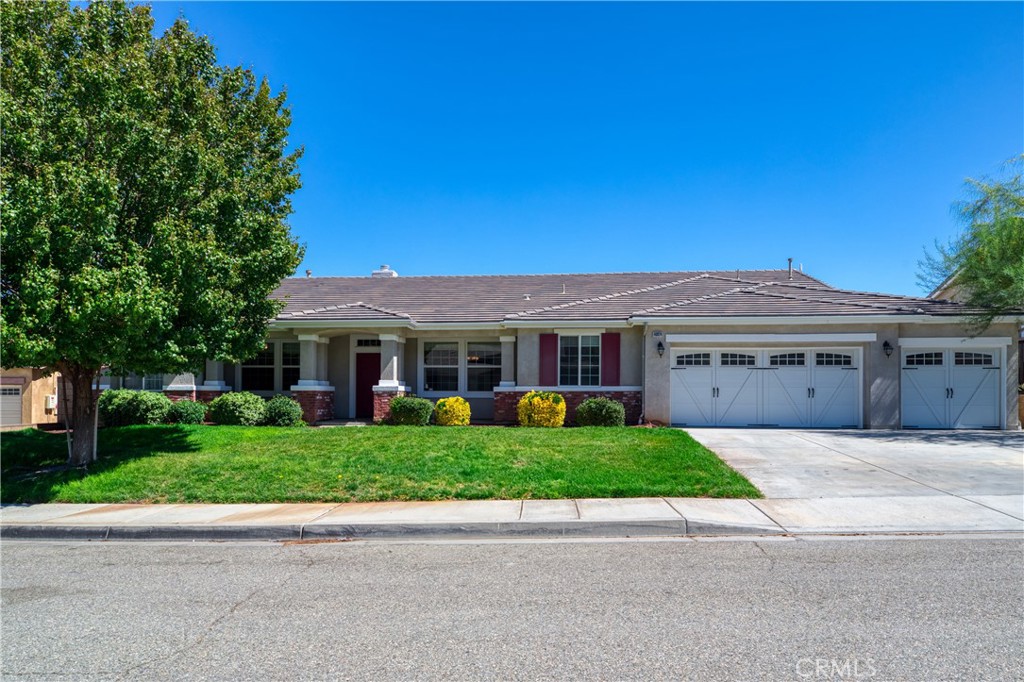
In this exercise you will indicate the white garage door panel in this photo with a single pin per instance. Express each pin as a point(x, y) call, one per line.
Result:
point(786, 391)
point(737, 398)
point(835, 397)
point(776, 387)
point(692, 396)
point(974, 397)
point(924, 397)
point(944, 388)
point(10, 406)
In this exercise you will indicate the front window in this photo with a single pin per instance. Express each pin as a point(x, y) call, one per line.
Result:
point(579, 360)
point(483, 365)
point(153, 382)
point(258, 372)
point(441, 366)
point(289, 364)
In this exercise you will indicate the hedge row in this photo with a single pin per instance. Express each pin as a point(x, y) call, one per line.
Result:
point(124, 407)
point(536, 408)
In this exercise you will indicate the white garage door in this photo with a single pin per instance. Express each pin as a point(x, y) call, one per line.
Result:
point(944, 388)
point(766, 387)
point(10, 405)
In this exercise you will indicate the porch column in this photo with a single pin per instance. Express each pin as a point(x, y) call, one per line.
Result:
point(390, 385)
point(321, 360)
point(180, 386)
point(508, 361)
point(213, 382)
point(315, 396)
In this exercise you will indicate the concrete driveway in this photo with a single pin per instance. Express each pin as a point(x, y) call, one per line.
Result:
point(816, 464)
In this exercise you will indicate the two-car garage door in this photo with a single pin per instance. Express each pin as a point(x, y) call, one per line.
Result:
point(766, 387)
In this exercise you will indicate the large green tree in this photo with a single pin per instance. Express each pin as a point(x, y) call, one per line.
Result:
point(144, 197)
point(985, 262)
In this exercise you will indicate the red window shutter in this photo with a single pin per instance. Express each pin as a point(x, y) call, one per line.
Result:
point(610, 359)
point(549, 359)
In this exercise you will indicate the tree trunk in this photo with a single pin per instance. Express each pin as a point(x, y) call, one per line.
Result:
point(82, 420)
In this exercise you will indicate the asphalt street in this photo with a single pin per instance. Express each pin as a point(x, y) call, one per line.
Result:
point(772, 609)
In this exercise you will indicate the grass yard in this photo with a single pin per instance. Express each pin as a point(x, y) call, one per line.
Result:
point(266, 464)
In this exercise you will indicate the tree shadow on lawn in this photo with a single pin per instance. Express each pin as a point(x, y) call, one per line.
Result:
point(33, 462)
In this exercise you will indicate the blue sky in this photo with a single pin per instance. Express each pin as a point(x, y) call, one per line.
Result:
point(467, 138)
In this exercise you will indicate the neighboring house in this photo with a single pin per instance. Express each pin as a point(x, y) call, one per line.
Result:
point(27, 398)
point(727, 348)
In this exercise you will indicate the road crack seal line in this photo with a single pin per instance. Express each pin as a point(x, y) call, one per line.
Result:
point(208, 630)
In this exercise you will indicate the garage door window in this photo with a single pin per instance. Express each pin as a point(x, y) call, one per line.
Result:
point(833, 360)
point(922, 359)
point(787, 360)
point(737, 360)
point(694, 360)
point(972, 359)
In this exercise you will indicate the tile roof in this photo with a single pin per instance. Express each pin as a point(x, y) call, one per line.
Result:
point(600, 296)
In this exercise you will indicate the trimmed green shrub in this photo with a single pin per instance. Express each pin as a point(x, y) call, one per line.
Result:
point(186, 412)
point(452, 411)
point(600, 412)
point(283, 411)
point(238, 409)
point(541, 408)
point(411, 411)
point(124, 407)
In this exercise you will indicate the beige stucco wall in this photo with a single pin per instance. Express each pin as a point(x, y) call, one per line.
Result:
point(34, 389)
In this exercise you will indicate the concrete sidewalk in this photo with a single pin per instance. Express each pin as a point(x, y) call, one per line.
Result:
point(516, 518)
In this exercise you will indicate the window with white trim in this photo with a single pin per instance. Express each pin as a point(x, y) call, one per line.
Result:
point(153, 382)
point(441, 366)
point(579, 360)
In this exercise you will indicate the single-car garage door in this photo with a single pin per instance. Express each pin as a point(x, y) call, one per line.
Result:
point(944, 388)
point(766, 387)
point(10, 405)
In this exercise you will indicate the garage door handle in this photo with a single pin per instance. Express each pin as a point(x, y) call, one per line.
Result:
point(950, 393)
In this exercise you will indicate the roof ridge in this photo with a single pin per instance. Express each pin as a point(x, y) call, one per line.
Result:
point(606, 297)
point(838, 301)
point(719, 294)
point(703, 271)
point(328, 308)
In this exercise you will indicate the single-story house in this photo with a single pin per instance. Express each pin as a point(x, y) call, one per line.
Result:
point(703, 348)
point(28, 397)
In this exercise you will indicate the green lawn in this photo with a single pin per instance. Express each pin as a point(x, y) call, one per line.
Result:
point(266, 464)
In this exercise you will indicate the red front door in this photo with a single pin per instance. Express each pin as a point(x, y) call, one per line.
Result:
point(367, 375)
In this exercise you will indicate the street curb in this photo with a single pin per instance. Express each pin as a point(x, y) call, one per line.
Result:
point(390, 531)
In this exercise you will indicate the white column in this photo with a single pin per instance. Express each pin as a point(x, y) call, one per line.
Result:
point(308, 360)
point(508, 361)
point(213, 379)
point(321, 360)
point(390, 353)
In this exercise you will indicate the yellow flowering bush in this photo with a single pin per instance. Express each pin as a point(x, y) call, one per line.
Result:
point(452, 411)
point(541, 408)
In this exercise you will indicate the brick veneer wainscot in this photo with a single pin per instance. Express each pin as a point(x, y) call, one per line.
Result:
point(505, 403)
point(382, 404)
point(175, 396)
point(317, 406)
